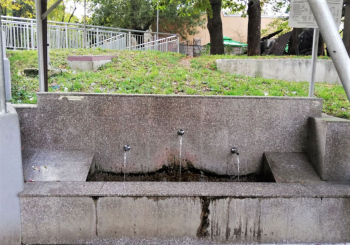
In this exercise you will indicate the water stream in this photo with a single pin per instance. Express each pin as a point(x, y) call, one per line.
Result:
point(180, 156)
point(124, 165)
point(238, 167)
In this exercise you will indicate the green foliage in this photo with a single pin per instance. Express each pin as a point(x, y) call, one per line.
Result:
point(26, 9)
point(62, 12)
point(141, 14)
point(134, 14)
point(19, 8)
point(163, 73)
point(183, 21)
point(276, 25)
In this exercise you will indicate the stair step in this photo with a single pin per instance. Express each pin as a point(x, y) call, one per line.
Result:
point(287, 167)
point(56, 165)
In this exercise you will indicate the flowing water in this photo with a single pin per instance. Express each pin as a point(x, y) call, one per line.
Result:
point(238, 167)
point(180, 156)
point(124, 165)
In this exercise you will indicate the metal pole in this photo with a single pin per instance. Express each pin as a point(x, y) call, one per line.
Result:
point(178, 45)
point(66, 27)
point(157, 36)
point(84, 23)
point(314, 61)
point(3, 108)
point(39, 33)
point(45, 44)
point(32, 35)
point(27, 32)
point(98, 38)
point(157, 18)
point(334, 43)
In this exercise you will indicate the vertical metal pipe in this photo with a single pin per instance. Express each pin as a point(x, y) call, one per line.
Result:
point(66, 26)
point(32, 38)
point(334, 43)
point(84, 23)
point(166, 44)
point(57, 39)
point(27, 28)
point(45, 44)
point(3, 108)
point(178, 45)
point(39, 33)
point(157, 18)
point(17, 40)
point(98, 37)
point(314, 62)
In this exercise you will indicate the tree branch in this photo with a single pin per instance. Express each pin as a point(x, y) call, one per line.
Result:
point(75, 7)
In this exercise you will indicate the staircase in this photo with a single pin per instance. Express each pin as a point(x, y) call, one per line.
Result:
point(20, 34)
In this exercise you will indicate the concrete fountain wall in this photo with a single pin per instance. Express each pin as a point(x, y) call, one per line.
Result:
point(105, 123)
point(78, 212)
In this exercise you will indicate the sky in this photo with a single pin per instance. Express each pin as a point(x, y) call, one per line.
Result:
point(79, 12)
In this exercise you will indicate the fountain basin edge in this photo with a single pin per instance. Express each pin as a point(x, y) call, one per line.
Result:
point(69, 212)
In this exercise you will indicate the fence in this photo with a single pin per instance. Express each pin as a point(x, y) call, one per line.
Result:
point(20, 33)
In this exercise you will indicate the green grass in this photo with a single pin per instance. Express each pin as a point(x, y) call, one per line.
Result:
point(162, 73)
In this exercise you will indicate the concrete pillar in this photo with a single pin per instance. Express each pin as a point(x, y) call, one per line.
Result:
point(11, 178)
point(7, 70)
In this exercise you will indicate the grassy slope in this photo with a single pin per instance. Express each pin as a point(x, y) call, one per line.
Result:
point(161, 73)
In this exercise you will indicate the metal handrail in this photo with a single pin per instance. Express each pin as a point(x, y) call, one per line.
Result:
point(21, 34)
point(92, 26)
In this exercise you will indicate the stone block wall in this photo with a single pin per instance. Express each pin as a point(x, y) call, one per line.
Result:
point(328, 147)
point(295, 70)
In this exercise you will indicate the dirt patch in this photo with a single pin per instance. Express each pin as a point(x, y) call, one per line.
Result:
point(186, 62)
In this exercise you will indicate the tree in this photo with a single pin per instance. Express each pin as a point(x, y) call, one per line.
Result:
point(215, 28)
point(137, 14)
point(293, 46)
point(184, 23)
point(254, 27)
point(346, 33)
point(133, 14)
point(141, 15)
point(26, 9)
point(20, 8)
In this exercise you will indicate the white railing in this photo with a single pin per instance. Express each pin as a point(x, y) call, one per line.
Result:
point(168, 44)
point(20, 33)
point(117, 42)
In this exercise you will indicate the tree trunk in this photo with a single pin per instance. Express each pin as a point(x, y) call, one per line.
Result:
point(215, 28)
point(254, 27)
point(294, 42)
point(346, 34)
point(320, 50)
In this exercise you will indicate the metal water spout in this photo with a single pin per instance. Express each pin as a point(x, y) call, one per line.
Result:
point(127, 147)
point(234, 150)
point(181, 132)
